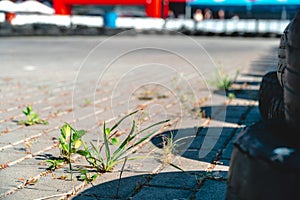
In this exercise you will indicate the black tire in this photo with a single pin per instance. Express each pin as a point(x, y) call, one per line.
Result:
point(270, 97)
point(281, 66)
point(292, 75)
point(265, 163)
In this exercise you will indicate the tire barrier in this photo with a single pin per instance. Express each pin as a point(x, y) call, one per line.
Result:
point(281, 56)
point(270, 101)
point(265, 163)
point(292, 75)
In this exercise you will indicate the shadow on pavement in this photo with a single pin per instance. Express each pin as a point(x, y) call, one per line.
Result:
point(164, 186)
point(203, 144)
point(252, 83)
point(247, 94)
point(230, 114)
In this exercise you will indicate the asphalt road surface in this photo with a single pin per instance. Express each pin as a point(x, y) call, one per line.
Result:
point(45, 56)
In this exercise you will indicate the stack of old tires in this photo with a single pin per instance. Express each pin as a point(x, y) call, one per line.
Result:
point(265, 162)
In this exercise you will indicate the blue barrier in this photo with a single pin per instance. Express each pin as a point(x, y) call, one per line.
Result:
point(110, 19)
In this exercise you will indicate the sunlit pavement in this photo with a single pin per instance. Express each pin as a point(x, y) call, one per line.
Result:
point(88, 80)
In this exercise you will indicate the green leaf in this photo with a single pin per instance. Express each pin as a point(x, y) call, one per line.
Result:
point(65, 147)
point(66, 130)
point(158, 123)
point(59, 161)
point(25, 111)
point(96, 151)
point(82, 177)
point(34, 115)
point(83, 171)
point(50, 161)
point(107, 150)
point(121, 148)
point(81, 133)
point(107, 131)
point(122, 119)
point(141, 140)
point(115, 141)
point(82, 152)
point(78, 135)
point(77, 144)
point(29, 109)
point(231, 95)
point(62, 140)
point(94, 177)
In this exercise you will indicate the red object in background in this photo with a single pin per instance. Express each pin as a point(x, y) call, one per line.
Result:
point(9, 16)
point(165, 8)
point(153, 8)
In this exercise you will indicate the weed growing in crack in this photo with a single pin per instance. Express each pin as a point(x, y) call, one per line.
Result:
point(86, 102)
point(231, 96)
point(70, 140)
point(101, 157)
point(223, 80)
point(55, 164)
point(32, 117)
point(125, 148)
point(169, 149)
point(87, 177)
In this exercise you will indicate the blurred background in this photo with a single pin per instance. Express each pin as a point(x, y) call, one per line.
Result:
point(224, 17)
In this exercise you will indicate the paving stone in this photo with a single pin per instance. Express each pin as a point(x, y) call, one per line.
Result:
point(17, 135)
point(50, 90)
point(107, 185)
point(215, 130)
point(211, 190)
point(162, 194)
point(14, 176)
point(179, 180)
point(226, 153)
point(90, 197)
point(194, 154)
point(188, 165)
point(225, 161)
point(46, 186)
point(220, 171)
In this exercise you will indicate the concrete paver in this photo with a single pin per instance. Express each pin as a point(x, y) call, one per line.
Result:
point(162, 193)
point(86, 103)
point(212, 190)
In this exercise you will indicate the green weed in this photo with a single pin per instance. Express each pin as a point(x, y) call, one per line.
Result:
point(231, 96)
point(169, 149)
point(70, 140)
point(55, 164)
point(87, 177)
point(87, 102)
point(125, 148)
point(224, 81)
point(100, 157)
point(32, 117)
